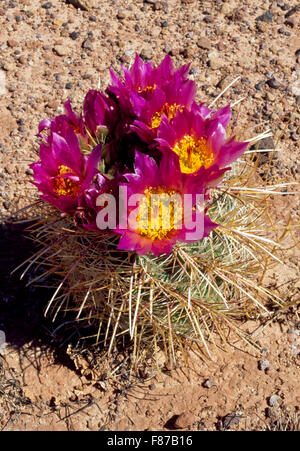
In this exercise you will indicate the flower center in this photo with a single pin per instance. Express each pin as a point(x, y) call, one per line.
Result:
point(159, 213)
point(64, 186)
point(193, 153)
point(168, 110)
point(147, 89)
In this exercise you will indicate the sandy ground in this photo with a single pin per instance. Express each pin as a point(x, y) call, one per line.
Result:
point(50, 51)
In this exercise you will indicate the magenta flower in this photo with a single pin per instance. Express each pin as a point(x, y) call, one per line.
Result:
point(142, 79)
point(63, 172)
point(99, 111)
point(143, 236)
point(60, 124)
point(166, 102)
point(198, 138)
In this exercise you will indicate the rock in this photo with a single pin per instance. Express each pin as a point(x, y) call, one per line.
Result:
point(88, 44)
point(230, 419)
point(61, 50)
point(274, 83)
point(204, 43)
point(74, 35)
point(215, 62)
point(259, 85)
point(2, 83)
point(121, 14)
point(12, 43)
point(47, 5)
point(8, 67)
point(208, 383)
point(146, 54)
point(225, 81)
point(189, 52)
point(266, 17)
point(291, 22)
point(83, 4)
point(184, 420)
point(292, 11)
point(263, 364)
point(273, 400)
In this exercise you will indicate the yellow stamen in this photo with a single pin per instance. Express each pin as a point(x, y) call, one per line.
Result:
point(168, 110)
point(64, 186)
point(148, 89)
point(159, 221)
point(193, 153)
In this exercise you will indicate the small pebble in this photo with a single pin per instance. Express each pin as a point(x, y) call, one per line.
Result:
point(263, 364)
point(208, 383)
point(273, 400)
point(47, 5)
point(266, 17)
point(74, 35)
point(68, 86)
point(274, 83)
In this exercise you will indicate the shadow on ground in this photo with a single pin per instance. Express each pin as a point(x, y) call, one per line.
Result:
point(22, 305)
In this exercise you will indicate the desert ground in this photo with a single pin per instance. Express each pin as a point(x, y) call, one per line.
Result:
point(51, 51)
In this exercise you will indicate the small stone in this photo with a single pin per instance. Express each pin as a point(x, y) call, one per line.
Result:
point(29, 171)
point(47, 5)
point(9, 168)
point(208, 19)
point(68, 86)
point(292, 11)
point(61, 50)
point(291, 22)
point(2, 83)
point(74, 35)
point(284, 31)
point(259, 85)
point(121, 14)
point(83, 56)
point(204, 43)
point(93, 19)
point(274, 83)
point(12, 43)
point(283, 6)
point(266, 17)
point(263, 364)
point(261, 27)
point(184, 420)
point(22, 59)
point(194, 71)
point(88, 45)
point(231, 419)
point(214, 61)
point(83, 4)
point(273, 400)
point(8, 67)
point(189, 52)
point(152, 387)
point(208, 383)
point(146, 54)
